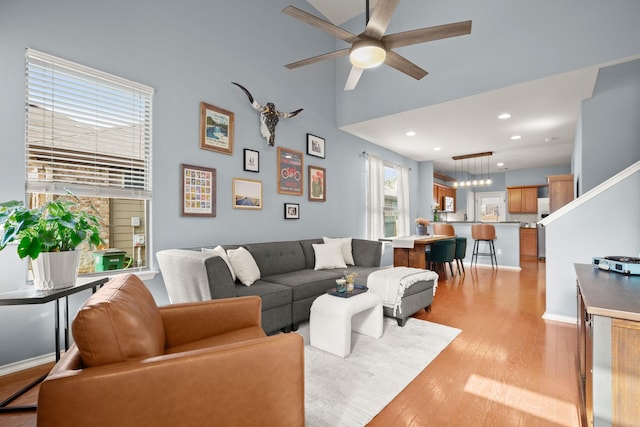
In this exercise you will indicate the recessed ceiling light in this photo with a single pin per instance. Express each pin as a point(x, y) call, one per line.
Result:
point(411, 133)
point(500, 164)
point(504, 116)
point(437, 148)
point(515, 137)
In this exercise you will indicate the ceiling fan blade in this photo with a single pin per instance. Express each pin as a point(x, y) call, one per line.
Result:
point(380, 18)
point(318, 58)
point(402, 64)
point(320, 24)
point(422, 35)
point(354, 77)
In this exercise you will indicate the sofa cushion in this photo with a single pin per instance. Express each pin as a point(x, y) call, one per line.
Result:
point(329, 255)
point(244, 265)
point(347, 253)
point(120, 322)
point(272, 294)
point(307, 283)
point(277, 257)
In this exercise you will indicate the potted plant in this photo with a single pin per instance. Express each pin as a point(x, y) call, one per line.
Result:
point(48, 235)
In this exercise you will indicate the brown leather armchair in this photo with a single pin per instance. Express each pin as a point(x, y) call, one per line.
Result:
point(192, 364)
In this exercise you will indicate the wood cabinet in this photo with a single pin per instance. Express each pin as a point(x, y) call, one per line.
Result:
point(560, 191)
point(529, 242)
point(608, 346)
point(523, 199)
point(439, 193)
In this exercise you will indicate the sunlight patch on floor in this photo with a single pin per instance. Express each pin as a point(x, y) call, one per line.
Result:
point(548, 408)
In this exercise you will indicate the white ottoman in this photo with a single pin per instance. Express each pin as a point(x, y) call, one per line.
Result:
point(333, 318)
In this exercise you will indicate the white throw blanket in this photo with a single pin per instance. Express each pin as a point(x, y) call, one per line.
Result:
point(390, 283)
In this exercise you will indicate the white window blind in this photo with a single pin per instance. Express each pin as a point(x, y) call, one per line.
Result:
point(87, 131)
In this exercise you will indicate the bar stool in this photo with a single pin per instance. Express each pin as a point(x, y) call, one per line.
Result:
point(483, 233)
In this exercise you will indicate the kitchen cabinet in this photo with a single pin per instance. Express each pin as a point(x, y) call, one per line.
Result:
point(439, 193)
point(529, 242)
point(523, 199)
point(608, 346)
point(560, 191)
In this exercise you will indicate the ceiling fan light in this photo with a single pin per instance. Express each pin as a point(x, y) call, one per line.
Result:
point(367, 54)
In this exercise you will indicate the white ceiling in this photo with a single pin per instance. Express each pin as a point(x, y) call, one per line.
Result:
point(544, 113)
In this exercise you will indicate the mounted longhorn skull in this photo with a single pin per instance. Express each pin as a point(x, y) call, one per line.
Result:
point(269, 116)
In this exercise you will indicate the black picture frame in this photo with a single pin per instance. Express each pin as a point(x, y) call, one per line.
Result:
point(292, 211)
point(315, 146)
point(251, 160)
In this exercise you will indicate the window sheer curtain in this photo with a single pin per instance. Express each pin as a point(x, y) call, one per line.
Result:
point(403, 201)
point(375, 198)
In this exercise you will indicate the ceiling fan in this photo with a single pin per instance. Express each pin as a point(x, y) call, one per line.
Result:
point(373, 47)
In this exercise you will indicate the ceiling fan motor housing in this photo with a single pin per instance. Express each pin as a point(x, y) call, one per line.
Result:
point(367, 53)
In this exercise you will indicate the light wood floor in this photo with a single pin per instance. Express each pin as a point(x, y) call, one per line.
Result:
point(508, 367)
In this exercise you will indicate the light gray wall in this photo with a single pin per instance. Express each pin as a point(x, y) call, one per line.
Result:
point(611, 124)
point(593, 229)
point(189, 52)
point(534, 176)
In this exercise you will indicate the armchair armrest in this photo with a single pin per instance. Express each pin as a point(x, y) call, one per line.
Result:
point(259, 382)
point(189, 322)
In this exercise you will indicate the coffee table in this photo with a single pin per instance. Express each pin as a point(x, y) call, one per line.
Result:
point(333, 318)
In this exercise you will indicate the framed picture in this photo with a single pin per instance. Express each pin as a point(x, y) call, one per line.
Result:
point(315, 146)
point(317, 184)
point(198, 191)
point(290, 170)
point(247, 194)
point(216, 129)
point(251, 160)
point(291, 211)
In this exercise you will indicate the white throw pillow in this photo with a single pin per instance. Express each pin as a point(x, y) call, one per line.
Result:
point(244, 265)
point(328, 255)
point(219, 251)
point(347, 252)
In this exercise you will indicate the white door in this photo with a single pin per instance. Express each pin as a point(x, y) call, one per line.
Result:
point(490, 206)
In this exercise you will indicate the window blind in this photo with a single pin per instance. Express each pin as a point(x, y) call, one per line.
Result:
point(87, 131)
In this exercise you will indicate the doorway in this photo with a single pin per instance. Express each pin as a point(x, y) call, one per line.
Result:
point(490, 206)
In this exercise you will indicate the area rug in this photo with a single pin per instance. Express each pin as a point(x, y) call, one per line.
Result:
point(350, 392)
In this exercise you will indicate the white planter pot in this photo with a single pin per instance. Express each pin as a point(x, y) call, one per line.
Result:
point(55, 270)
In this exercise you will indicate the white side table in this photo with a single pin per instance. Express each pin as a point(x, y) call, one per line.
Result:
point(333, 318)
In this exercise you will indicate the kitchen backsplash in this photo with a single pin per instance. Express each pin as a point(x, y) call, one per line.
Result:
point(528, 218)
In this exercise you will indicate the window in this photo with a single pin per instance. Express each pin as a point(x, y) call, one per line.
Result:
point(89, 132)
point(390, 209)
point(387, 200)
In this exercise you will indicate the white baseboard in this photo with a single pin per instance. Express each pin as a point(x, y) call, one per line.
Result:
point(558, 318)
point(26, 364)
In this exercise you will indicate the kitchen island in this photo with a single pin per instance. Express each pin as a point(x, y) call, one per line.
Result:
point(507, 242)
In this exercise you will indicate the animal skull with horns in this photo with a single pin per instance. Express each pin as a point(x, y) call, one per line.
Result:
point(269, 116)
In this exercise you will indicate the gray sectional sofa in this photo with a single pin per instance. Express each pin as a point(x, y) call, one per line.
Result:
point(288, 282)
